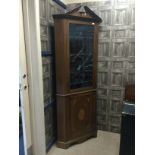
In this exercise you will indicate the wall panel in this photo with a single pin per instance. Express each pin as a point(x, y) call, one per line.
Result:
point(47, 9)
point(116, 58)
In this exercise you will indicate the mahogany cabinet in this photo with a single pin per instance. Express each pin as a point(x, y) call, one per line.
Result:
point(76, 41)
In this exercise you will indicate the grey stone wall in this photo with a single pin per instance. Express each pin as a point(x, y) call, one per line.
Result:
point(116, 58)
point(47, 9)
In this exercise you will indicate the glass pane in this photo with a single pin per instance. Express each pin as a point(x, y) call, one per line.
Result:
point(81, 55)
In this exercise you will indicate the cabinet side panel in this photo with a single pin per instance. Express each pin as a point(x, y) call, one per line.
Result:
point(95, 56)
point(61, 57)
point(61, 118)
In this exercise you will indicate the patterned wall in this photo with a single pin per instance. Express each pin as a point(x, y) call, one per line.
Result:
point(116, 58)
point(47, 9)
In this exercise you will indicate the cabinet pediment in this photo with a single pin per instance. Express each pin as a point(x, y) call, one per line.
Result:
point(82, 13)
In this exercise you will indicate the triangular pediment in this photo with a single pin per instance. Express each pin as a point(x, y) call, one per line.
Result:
point(80, 13)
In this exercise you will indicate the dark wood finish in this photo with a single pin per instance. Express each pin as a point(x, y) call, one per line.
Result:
point(76, 108)
point(60, 3)
point(90, 12)
point(130, 92)
point(76, 118)
point(81, 17)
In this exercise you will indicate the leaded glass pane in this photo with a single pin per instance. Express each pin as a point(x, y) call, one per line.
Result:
point(81, 55)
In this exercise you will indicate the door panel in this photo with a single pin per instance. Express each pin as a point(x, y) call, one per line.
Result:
point(82, 113)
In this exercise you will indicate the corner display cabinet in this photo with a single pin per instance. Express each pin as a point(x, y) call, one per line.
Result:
point(76, 41)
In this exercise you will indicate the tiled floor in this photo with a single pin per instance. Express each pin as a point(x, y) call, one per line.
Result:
point(106, 143)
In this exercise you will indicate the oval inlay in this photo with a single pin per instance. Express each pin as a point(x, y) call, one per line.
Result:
point(81, 114)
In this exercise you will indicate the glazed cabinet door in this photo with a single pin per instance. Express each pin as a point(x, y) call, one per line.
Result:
point(81, 39)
